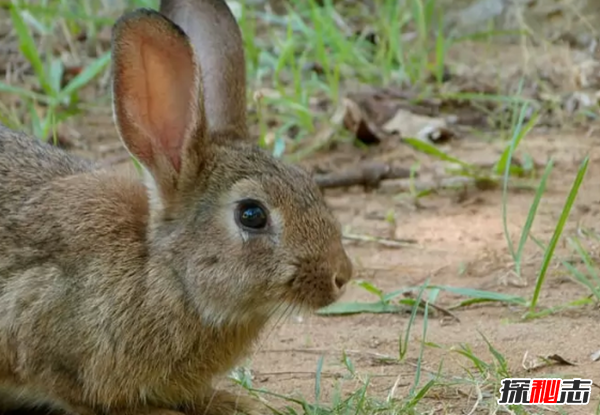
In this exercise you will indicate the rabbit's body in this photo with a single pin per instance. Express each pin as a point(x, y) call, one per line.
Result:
point(54, 276)
point(124, 296)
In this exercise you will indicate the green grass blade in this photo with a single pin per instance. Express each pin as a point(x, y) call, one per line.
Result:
point(397, 293)
point(403, 344)
point(482, 97)
point(434, 151)
point(465, 351)
point(503, 369)
point(36, 123)
point(318, 380)
point(506, 165)
point(349, 308)
point(50, 12)
point(23, 93)
point(422, 349)
point(482, 295)
point(558, 232)
point(581, 278)
point(371, 288)
point(579, 303)
point(504, 161)
point(586, 258)
point(55, 73)
point(531, 215)
point(86, 76)
point(29, 49)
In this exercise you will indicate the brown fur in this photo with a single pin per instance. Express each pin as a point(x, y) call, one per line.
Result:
point(124, 298)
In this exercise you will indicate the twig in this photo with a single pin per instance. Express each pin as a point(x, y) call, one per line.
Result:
point(444, 311)
point(368, 174)
point(393, 243)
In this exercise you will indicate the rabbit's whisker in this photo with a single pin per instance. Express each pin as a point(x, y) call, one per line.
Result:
point(210, 401)
point(268, 333)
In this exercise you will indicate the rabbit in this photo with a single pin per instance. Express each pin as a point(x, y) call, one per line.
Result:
point(126, 294)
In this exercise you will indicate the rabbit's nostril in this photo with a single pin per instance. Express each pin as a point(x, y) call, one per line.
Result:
point(343, 269)
point(340, 281)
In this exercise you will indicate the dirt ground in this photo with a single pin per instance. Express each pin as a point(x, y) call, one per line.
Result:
point(461, 244)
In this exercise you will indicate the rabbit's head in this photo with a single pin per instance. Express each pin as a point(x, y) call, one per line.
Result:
point(243, 233)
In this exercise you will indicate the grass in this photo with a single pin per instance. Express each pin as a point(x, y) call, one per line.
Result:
point(314, 50)
point(300, 65)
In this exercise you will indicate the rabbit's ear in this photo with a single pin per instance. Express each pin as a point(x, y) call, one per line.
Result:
point(157, 96)
point(217, 41)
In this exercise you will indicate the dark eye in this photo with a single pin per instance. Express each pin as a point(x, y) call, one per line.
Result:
point(252, 215)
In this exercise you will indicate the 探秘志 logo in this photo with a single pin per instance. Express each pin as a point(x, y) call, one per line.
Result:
point(527, 391)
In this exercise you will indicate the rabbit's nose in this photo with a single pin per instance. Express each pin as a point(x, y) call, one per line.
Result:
point(340, 281)
point(343, 273)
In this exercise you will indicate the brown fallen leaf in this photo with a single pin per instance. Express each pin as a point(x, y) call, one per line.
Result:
point(69, 73)
point(560, 360)
point(409, 112)
point(550, 360)
point(378, 104)
point(356, 121)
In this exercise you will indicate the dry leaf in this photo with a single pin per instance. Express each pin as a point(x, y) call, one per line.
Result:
point(560, 360)
point(578, 101)
point(356, 121)
point(377, 104)
point(408, 124)
point(550, 360)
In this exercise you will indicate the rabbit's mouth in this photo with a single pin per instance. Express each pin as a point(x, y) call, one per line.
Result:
point(312, 288)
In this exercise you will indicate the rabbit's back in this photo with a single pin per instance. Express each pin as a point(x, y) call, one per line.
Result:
point(28, 170)
point(27, 163)
point(68, 235)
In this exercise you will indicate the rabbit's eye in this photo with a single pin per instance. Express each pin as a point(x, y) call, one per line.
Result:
point(251, 215)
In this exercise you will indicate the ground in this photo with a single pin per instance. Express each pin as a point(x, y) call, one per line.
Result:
point(452, 238)
point(461, 244)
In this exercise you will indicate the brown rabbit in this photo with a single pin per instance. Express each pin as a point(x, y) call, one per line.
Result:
point(123, 297)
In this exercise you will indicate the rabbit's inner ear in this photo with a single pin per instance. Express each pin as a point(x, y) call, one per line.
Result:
point(156, 91)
